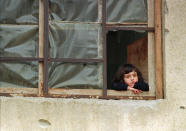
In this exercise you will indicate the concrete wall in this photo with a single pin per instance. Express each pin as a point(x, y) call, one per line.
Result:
point(169, 114)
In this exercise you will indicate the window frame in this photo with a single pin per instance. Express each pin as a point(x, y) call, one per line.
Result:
point(153, 26)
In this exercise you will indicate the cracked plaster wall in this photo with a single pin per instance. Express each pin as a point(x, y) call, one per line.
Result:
point(169, 114)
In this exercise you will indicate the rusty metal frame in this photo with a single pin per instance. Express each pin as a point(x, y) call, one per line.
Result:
point(72, 60)
point(20, 59)
point(104, 48)
point(46, 44)
point(110, 28)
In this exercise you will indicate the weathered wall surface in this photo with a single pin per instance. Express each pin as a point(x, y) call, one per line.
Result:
point(169, 114)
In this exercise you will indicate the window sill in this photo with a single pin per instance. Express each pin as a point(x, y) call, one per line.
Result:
point(76, 93)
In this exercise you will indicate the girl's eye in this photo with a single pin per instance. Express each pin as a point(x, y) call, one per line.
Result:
point(127, 76)
point(134, 75)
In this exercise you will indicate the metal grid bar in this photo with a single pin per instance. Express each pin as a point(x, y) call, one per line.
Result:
point(45, 77)
point(71, 60)
point(109, 27)
point(20, 59)
point(104, 48)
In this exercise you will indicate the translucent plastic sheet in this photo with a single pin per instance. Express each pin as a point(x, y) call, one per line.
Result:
point(74, 10)
point(16, 74)
point(77, 76)
point(19, 11)
point(75, 40)
point(126, 11)
point(18, 40)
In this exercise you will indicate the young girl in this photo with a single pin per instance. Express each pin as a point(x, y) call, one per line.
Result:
point(128, 77)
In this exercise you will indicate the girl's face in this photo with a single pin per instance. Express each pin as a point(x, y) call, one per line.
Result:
point(131, 78)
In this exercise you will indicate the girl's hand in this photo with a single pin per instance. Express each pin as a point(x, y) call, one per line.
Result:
point(135, 91)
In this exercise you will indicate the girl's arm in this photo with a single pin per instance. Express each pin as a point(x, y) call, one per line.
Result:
point(119, 86)
point(141, 86)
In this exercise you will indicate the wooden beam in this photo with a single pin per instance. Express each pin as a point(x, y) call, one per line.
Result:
point(93, 92)
point(150, 21)
point(75, 93)
point(151, 53)
point(18, 90)
point(102, 97)
point(127, 23)
point(158, 48)
point(63, 91)
point(97, 93)
point(41, 47)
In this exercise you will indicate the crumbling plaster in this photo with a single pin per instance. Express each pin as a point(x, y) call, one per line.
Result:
point(169, 114)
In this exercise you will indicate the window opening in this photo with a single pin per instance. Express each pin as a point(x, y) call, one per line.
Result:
point(126, 47)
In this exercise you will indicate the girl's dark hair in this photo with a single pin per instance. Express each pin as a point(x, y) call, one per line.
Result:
point(125, 69)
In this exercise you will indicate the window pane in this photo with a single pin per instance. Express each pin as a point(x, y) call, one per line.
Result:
point(22, 75)
point(66, 75)
point(74, 10)
point(18, 40)
point(126, 11)
point(75, 40)
point(18, 11)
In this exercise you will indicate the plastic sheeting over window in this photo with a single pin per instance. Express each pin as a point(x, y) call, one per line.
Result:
point(14, 74)
point(75, 40)
point(68, 75)
point(74, 10)
point(19, 11)
point(126, 11)
point(19, 38)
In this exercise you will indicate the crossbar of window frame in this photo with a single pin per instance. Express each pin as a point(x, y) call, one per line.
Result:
point(20, 59)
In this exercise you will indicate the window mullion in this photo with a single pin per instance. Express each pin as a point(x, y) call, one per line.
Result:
point(46, 22)
point(104, 48)
point(151, 57)
point(41, 49)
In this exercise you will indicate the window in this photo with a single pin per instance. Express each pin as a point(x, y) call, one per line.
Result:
point(62, 48)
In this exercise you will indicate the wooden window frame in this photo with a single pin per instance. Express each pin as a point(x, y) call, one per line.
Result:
point(153, 25)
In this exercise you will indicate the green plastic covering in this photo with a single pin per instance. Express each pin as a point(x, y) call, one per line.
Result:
point(77, 76)
point(19, 38)
point(19, 11)
point(20, 75)
point(75, 40)
point(74, 10)
point(126, 11)
point(72, 40)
